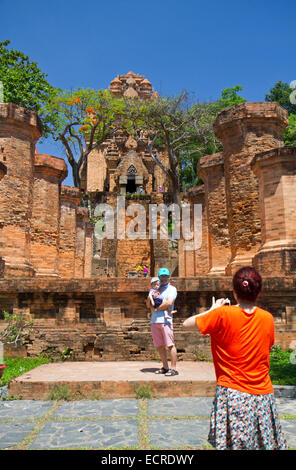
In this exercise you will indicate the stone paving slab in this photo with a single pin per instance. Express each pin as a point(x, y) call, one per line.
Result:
point(286, 406)
point(166, 423)
point(189, 406)
point(13, 433)
point(169, 434)
point(100, 434)
point(289, 429)
point(23, 409)
point(95, 409)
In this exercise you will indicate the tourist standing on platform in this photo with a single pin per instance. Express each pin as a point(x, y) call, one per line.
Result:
point(244, 414)
point(162, 326)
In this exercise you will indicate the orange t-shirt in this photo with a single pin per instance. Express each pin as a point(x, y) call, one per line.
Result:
point(241, 345)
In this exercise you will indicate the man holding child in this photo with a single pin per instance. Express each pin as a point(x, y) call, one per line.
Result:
point(162, 321)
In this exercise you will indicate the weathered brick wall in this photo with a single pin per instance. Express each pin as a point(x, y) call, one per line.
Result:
point(80, 247)
point(211, 170)
point(133, 252)
point(19, 131)
point(244, 130)
point(133, 342)
point(48, 173)
point(106, 319)
point(34, 223)
point(96, 171)
point(3, 171)
point(276, 170)
point(70, 198)
point(196, 262)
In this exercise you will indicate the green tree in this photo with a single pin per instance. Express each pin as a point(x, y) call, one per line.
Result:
point(183, 130)
point(205, 142)
point(23, 82)
point(290, 132)
point(230, 97)
point(81, 120)
point(171, 126)
point(281, 93)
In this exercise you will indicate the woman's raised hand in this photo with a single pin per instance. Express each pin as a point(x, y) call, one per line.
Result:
point(219, 302)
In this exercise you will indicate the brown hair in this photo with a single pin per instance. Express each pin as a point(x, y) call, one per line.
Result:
point(247, 283)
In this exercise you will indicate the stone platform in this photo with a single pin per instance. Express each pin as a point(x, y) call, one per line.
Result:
point(115, 380)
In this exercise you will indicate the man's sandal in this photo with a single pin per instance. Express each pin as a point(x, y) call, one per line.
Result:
point(171, 373)
point(162, 371)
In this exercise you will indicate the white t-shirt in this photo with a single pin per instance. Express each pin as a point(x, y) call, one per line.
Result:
point(167, 292)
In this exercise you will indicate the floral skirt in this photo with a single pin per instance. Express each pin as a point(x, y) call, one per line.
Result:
point(243, 421)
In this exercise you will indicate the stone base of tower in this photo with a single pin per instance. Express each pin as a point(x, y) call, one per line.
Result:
point(276, 262)
point(239, 262)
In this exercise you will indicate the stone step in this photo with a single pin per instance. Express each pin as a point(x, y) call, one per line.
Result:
point(115, 380)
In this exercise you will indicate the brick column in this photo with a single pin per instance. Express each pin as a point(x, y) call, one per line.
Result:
point(211, 170)
point(49, 173)
point(195, 263)
point(70, 198)
point(3, 171)
point(82, 218)
point(19, 131)
point(88, 255)
point(276, 170)
point(244, 130)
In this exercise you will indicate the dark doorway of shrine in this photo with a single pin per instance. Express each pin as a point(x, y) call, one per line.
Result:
point(131, 186)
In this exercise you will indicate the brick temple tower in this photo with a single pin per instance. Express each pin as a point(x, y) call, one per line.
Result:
point(122, 166)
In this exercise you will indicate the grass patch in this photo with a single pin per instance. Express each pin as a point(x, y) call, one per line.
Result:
point(282, 371)
point(60, 392)
point(200, 356)
point(144, 391)
point(20, 365)
point(63, 393)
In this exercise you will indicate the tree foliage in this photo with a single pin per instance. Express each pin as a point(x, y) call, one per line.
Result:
point(281, 93)
point(205, 142)
point(81, 121)
point(18, 326)
point(23, 82)
point(177, 128)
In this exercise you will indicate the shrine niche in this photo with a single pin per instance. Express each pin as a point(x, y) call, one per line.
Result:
point(131, 174)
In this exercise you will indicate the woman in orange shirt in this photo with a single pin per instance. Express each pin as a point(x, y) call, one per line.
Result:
point(244, 414)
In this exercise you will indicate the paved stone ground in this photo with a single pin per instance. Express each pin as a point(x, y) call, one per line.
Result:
point(166, 423)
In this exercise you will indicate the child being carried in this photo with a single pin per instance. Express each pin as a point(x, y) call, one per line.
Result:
point(155, 299)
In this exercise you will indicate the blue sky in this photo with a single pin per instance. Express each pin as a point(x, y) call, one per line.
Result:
point(201, 46)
